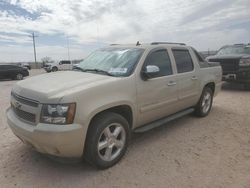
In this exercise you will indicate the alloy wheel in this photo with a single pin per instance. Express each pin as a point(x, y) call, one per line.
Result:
point(111, 142)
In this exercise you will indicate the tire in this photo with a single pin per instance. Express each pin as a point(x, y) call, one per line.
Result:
point(54, 69)
point(19, 76)
point(204, 105)
point(110, 131)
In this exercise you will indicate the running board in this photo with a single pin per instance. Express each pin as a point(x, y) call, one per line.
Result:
point(160, 122)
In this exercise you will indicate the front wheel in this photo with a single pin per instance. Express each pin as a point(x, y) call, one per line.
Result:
point(204, 105)
point(54, 69)
point(19, 76)
point(107, 140)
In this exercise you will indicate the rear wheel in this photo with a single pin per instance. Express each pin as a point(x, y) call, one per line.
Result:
point(19, 76)
point(204, 105)
point(107, 140)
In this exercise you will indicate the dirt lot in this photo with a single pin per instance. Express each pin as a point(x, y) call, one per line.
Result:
point(189, 152)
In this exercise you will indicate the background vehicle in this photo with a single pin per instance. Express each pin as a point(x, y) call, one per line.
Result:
point(13, 71)
point(235, 62)
point(120, 89)
point(56, 66)
point(27, 66)
point(75, 66)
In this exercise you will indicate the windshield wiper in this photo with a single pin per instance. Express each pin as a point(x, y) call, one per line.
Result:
point(96, 70)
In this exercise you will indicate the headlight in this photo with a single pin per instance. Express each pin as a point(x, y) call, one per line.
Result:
point(245, 62)
point(58, 113)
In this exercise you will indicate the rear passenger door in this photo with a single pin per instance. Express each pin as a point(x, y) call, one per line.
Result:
point(62, 65)
point(66, 65)
point(188, 82)
point(156, 97)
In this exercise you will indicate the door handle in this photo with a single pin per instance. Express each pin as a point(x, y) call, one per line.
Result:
point(171, 83)
point(194, 78)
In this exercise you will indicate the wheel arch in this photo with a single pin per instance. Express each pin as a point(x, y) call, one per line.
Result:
point(210, 85)
point(124, 110)
point(54, 67)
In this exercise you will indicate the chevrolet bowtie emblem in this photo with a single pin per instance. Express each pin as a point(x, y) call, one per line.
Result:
point(17, 105)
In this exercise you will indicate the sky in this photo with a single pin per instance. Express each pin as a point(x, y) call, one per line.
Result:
point(86, 25)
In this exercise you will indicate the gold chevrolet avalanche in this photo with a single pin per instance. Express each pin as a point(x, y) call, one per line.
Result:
point(115, 91)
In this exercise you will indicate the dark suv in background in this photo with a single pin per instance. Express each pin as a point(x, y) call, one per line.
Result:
point(13, 72)
point(235, 63)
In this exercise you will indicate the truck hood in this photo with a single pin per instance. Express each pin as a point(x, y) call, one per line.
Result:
point(231, 56)
point(51, 86)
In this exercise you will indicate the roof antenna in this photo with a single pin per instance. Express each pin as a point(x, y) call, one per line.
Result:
point(138, 43)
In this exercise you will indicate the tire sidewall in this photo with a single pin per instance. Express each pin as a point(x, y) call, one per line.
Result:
point(54, 69)
point(199, 110)
point(96, 129)
point(19, 76)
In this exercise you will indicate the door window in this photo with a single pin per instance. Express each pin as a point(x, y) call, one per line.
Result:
point(65, 62)
point(183, 60)
point(160, 58)
point(203, 63)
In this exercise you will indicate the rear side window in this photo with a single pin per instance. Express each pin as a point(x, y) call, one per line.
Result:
point(198, 56)
point(65, 62)
point(202, 63)
point(183, 60)
point(160, 58)
point(10, 67)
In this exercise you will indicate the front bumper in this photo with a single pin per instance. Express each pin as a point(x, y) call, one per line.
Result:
point(48, 69)
point(240, 76)
point(57, 140)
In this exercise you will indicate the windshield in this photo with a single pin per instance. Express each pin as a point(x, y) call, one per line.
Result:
point(234, 50)
point(115, 61)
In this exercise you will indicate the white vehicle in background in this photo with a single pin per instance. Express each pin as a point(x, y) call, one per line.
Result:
point(56, 66)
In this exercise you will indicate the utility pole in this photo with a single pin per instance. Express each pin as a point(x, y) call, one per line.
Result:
point(34, 46)
point(68, 47)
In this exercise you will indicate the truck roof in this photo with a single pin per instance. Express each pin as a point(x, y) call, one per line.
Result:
point(150, 45)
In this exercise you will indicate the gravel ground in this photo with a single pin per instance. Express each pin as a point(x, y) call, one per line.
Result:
point(188, 152)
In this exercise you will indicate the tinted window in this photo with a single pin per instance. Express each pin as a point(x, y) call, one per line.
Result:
point(202, 63)
point(237, 49)
point(183, 61)
point(65, 62)
point(12, 67)
point(198, 56)
point(160, 59)
point(8, 67)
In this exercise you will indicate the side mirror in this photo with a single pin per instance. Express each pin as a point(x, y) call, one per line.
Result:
point(150, 71)
point(60, 63)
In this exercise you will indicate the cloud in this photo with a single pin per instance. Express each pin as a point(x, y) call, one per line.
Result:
point(203, 24)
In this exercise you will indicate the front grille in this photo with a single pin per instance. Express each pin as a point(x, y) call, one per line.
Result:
point(229, 66)
point(24, 115)
point(24, 100)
